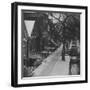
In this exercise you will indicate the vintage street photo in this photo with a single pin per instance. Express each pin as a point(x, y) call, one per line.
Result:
point(50, 43)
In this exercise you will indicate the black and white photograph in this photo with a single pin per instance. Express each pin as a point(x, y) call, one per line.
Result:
point(50, 43)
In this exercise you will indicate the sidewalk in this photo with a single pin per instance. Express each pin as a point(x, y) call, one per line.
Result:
point(53, 65)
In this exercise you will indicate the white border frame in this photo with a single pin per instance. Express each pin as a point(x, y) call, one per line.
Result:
point(82, 52)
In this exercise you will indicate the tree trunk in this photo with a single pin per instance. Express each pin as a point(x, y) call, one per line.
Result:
point(63, 52)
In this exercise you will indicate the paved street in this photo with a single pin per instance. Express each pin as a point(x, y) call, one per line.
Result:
point(53, 65)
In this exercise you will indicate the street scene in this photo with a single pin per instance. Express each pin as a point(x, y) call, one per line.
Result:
point(50, 43)
point(53, 65)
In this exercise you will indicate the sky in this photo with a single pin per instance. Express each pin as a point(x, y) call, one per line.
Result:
point(29, 26)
